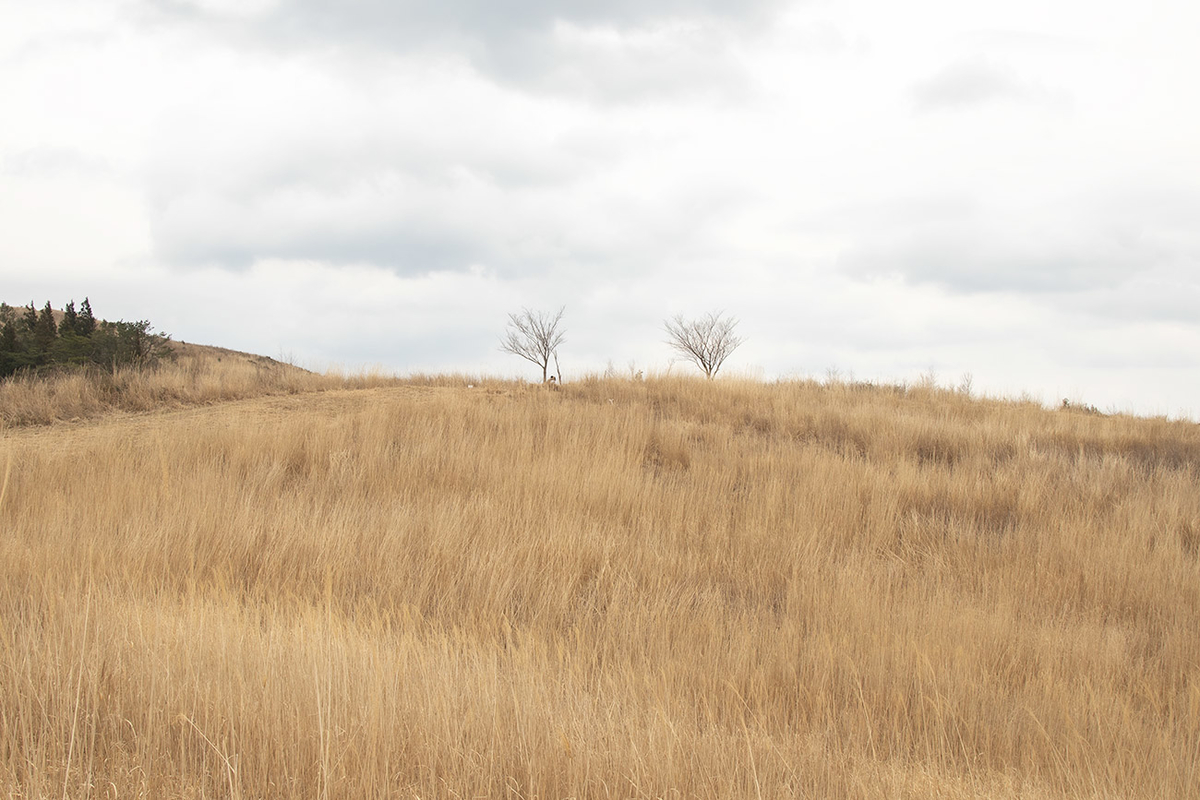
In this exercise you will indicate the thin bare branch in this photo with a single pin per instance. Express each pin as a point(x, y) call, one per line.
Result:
point(706, 342)
point(534, 336)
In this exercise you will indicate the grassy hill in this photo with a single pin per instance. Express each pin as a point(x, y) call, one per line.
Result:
point(321, 587)
point(193, 375)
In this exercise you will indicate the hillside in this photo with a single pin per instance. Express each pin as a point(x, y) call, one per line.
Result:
point(669, 588)
point(192, 374)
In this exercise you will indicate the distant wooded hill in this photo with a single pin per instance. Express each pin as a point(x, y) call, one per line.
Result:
point(33, 340)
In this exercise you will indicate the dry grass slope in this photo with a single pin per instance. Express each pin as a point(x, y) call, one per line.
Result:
point(196, 375)
point(717, 590)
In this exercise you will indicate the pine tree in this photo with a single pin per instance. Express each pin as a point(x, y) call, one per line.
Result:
point(9, 343)
point(12, 356)
point(85, 323)
point(45, 329)
point(70, 321)
point(39, 334)
point(30, 318)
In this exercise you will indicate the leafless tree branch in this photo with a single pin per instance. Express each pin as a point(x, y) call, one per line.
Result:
point(706, 342)
point(534, 336)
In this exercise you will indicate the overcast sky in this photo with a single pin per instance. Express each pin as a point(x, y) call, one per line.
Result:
point(1009, 190)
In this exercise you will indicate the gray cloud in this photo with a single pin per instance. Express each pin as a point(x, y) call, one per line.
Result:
point(978, 81)
point(963, 262)
point(403, 24)
point(417, 165)
point(615, 67)
point(374, 214)
point(1160, 225)
point(235, 237)
point(1028, 41)
point(637, 48)
point(444, 211)
point(414, 229)
point(43, 161)
point(1125, 241)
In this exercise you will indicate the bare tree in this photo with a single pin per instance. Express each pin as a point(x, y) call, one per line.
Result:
point(534, 336)
point(706, 342)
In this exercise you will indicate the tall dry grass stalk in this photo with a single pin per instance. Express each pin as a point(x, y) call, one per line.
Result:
point(665, 589)
point(198, 376)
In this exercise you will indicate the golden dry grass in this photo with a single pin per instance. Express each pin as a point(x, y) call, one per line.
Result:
point(197, 375)
point(665, 589)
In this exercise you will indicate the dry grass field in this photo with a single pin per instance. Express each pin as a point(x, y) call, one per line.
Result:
point(227, 581)
point(197, 375)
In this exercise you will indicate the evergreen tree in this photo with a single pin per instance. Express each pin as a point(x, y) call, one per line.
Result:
point(70, 321)
point(11, 358)
point(46, 330)
point(70, 347)
point(85, 323)
point(9, 342)
point(33, 340)
point(30, 319)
